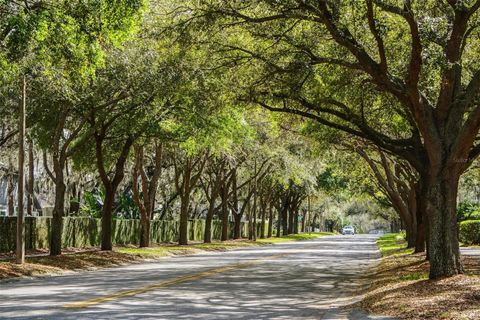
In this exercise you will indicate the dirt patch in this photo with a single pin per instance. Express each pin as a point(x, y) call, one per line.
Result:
point(402, 289)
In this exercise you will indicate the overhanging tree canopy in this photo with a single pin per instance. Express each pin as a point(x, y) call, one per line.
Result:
point(401, 74)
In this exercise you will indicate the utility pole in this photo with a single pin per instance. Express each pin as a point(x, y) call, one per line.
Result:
point(254, 233)
point(20, 252)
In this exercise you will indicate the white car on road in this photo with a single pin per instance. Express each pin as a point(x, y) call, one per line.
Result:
point(348, 230)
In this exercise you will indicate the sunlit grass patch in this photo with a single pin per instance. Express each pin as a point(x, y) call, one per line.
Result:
point(393, 244)
point(168, 250)
point(171, 249)
point(151, 251)
point(414, 276)
point(295, 237)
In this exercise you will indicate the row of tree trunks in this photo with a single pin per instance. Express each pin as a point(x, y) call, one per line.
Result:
point(405, 190)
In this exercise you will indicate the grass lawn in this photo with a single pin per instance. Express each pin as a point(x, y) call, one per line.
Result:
point(401, 287)
point(75, 260)
point(296, 237)
point(173, 249)
point(168, 250)
point(393, 244)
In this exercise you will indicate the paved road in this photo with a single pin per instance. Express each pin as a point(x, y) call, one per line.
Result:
point(297, 280)
point(470, 251)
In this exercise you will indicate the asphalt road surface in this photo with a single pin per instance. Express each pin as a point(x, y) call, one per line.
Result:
point(317, 279)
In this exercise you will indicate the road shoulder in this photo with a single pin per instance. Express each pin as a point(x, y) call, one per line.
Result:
point(401, 288)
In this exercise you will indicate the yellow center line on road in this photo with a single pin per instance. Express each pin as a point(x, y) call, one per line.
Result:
point(167, 283)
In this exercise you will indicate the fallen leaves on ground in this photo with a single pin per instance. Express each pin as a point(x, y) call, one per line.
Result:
point(401, 289)
point(36, 266)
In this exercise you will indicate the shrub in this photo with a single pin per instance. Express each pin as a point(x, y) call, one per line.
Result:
point(93, 202)
point(468, 210)
point(470, 231)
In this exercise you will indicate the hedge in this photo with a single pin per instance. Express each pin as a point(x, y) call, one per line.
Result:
point(81, 232)
point(470, 232)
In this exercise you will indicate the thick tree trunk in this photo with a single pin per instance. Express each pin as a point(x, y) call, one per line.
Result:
point(411, 235)
point(270, 221)
point(285, 219)
point(304, 216)
point(183, 239)
point(295, 221)
point(291, 218)
point(420, 240)
point(444, 252)
point(107, 217)
point(144, 230)
point(237, 226)
point(279, 224)
point(110, 185)
point(58, 214)
point(420, 243)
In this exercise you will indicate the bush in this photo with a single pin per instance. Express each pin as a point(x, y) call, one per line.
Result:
point(468, 210)
point(470, 232)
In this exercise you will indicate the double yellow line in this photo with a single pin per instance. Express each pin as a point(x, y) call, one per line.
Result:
point(167, 283)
